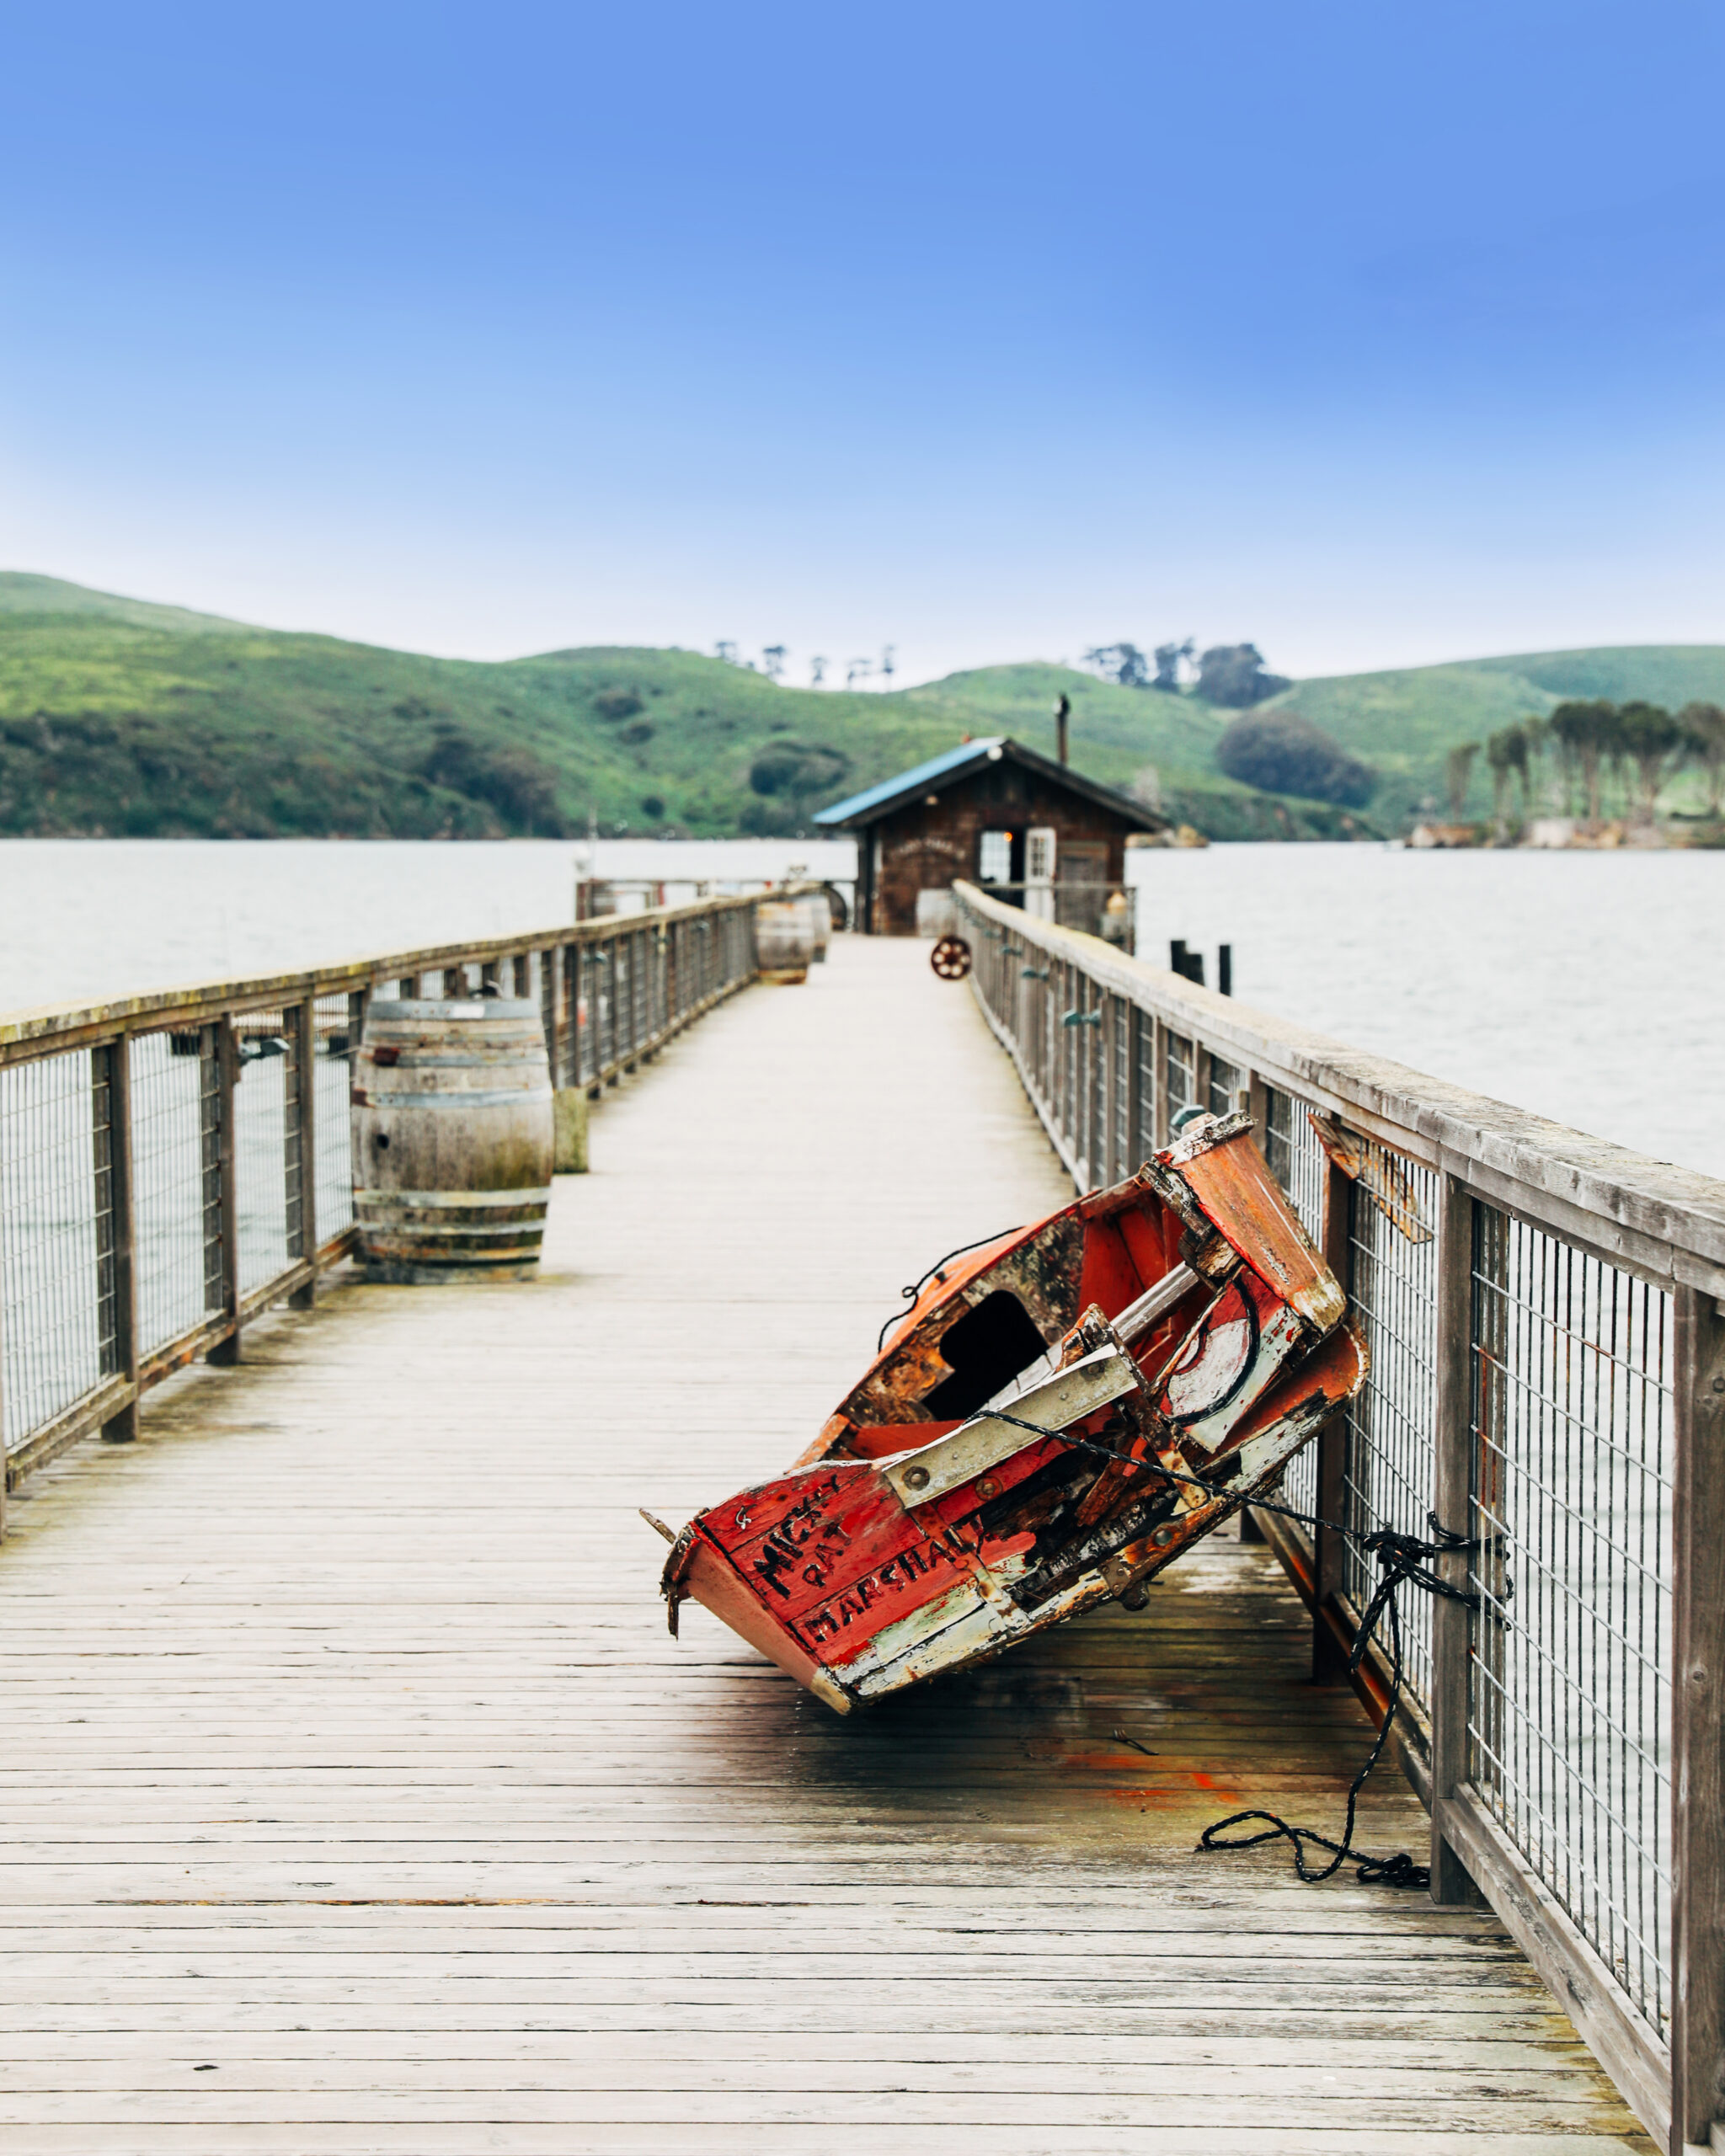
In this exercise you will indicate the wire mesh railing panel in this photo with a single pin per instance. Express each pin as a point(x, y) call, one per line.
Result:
point(545, 975)
point(1180, 1060)
point(49, 1324)
point(1570, 1721)
point(571, 995)
point(579, 995)
point(1225, 1082)
point(1297, 1159)
point(1392, 1461)
point(1298, 1163)
point(1079, 998)
point(622, 960)
point(260, 1147)
point(1097, 1090)
point(1090, 1076)
point(601, 1004)
point(1143, 1141)
point(171, 1075)
point(1078, 1068)
point(336, 1024)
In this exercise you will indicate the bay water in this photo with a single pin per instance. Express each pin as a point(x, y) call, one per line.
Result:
point(1585, 986)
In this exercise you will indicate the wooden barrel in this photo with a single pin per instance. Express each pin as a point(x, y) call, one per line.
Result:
point(784, 939)
point(452, 1140)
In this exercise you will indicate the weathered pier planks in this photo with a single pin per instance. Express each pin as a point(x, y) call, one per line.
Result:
point(357, 1800)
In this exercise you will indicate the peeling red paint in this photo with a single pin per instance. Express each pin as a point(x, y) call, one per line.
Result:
point(1182, 1319)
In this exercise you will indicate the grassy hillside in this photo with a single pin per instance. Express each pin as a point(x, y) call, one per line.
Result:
point(20, 594)
point(124, 718)
point(121, 718)
point(1404, 723)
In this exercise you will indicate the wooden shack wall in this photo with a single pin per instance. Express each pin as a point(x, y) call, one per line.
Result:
point(924, 845)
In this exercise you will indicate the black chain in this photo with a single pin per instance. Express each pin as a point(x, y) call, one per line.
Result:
point(1403, 1559)
point(911, 1294)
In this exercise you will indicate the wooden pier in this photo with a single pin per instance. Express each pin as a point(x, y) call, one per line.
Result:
point(357, 1800)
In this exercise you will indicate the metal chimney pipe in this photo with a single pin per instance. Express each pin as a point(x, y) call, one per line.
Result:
point(1063, 712)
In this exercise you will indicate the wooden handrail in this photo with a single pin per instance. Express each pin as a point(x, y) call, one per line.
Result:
point(1666, 1223)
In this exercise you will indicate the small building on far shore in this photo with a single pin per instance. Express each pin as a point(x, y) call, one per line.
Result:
point(998, 814)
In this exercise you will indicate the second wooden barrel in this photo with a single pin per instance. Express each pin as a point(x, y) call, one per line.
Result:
point(820, 915)
point(784, 939)
point(452, 1140)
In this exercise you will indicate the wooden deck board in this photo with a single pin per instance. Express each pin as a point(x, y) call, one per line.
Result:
point(347, 1756)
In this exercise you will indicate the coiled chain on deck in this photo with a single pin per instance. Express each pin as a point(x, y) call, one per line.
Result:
point(1403, 1560)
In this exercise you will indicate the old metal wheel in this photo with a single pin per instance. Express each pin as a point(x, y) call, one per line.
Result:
point(951, 957)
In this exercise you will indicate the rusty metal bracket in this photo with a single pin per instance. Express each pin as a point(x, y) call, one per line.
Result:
point(1375, 1170)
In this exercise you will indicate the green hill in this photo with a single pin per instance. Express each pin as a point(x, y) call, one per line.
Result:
point(122, 719)
point(1405, 723)
point(20, 594)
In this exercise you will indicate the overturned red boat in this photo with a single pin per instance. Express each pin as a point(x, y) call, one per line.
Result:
point(1000, 1466)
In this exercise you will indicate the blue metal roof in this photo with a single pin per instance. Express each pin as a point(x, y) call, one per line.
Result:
point(889, 789)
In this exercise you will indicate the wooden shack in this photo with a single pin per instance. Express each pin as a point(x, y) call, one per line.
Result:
point(1035, 832)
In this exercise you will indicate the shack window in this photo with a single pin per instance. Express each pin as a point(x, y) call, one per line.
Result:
point(995, 858)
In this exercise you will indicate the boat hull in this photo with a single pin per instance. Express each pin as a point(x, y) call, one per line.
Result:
point(1148, 1379)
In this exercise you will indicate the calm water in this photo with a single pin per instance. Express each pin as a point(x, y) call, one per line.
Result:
point(94, 918)
point(1584, 985)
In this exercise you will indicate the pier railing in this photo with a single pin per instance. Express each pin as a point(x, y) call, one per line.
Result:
point(173, 1164)
point(1542, 1313)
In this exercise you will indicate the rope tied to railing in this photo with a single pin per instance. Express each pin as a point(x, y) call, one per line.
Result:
point(1404, 1560)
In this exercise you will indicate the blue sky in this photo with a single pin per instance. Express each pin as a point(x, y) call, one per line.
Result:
point(1376, 334)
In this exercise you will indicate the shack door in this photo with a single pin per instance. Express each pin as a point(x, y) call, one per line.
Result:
point(1081, 883)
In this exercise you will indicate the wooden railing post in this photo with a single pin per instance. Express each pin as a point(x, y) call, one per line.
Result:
point(1328, 1659)
point(1452, 1885)
point(219, 1065)
point(116, 1271)
point(1697, 1721)
point(300, 1138)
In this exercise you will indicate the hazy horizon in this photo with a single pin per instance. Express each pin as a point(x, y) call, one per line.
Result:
point(835, 682)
